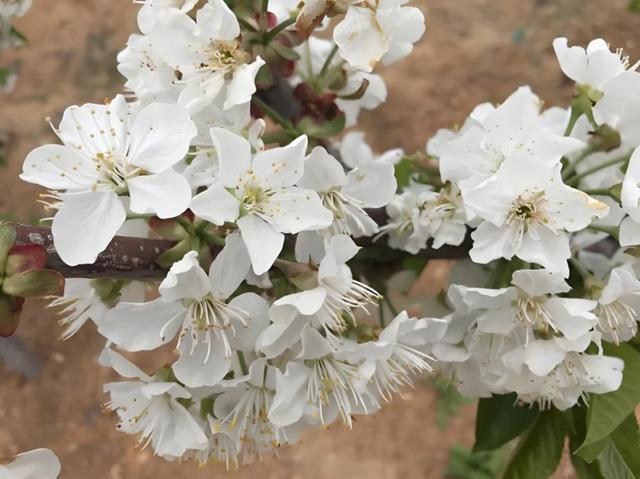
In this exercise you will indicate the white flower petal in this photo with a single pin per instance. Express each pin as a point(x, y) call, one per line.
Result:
point(230, 268)
point(59, 168)
point(85, 224)
point(160, 136)
point(263, 243)
point(36, 464)
point(243, 84)
point(166, 194)
point(281, 167)
point(185, 280)
point(143, 326)
point(293, 209)
point(216, 205)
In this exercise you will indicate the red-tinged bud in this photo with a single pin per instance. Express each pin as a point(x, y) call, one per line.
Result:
point(271, 19)
point(25, 258)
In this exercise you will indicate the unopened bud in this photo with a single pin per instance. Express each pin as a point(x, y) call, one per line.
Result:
point(605, 138)
point(25, 258)
point(34, 283)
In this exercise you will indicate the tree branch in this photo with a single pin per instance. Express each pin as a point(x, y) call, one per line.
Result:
point(135, 258)
point(124, 258)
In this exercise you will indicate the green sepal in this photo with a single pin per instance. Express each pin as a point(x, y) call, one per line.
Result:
point(285, 52)
point(34, 283)
point(108, 290)
point(8, 237)
point(176, 253)
point(322, 130)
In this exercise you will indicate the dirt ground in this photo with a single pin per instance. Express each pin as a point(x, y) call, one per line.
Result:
point(50, 391)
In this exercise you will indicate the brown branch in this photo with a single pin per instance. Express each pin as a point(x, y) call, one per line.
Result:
point(135, 258)
point(124, 258)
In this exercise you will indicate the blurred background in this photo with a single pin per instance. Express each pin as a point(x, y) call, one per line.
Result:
point(51, 391)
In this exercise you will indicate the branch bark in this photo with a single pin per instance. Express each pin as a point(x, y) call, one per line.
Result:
point(135, 258)
point(124, 258)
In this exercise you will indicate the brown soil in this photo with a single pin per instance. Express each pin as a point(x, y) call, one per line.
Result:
point(50, 391)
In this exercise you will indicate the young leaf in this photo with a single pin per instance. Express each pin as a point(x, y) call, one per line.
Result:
point(612, 465)
point(499, 420)
point(540, 450)
point(607, 411)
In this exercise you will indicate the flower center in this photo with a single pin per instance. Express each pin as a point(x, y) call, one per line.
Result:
point(347, 213)
point(209, 318)
point(225, 56)
point(115, 171)
point(524, 211)
point(331, 379)
point(531, 312)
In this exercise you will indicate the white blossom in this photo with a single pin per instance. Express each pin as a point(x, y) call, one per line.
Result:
point(195, 306)
point(527, 211)
point(592, 66)
point(378, 30)
point(150, 406)
point(208, 55)
point(258, 194)
point(347, 194)
point(618, 307)
point(114, 159)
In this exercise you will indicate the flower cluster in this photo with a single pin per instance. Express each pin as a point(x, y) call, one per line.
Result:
point(282, 237)
point(534, 188)
point(266, 317)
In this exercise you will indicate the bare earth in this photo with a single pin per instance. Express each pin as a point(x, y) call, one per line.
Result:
point(474, 51)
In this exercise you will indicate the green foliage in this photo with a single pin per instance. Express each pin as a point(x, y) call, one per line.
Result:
point(448, 402)
point(466, 464)
point(499, 420)
point(634, 6)
point(404, 169)
point(540, 449)
point(607, 411)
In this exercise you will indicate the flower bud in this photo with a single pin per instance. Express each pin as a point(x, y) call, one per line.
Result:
point(605, 138)
point(34, 283)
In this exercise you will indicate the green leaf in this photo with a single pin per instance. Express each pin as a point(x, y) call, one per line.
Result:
point(448, 402)
point(607, 411)
point(465, 464)
point(404, 169)
point(584, 470)
point(499, 420)
point(612, 465)
point(626, 440)
point(540, 449)
point(634, 6)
